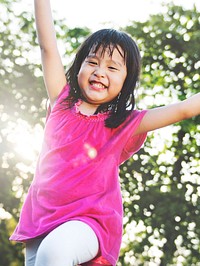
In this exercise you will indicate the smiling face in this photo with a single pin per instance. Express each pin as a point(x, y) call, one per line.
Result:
point(102, 75)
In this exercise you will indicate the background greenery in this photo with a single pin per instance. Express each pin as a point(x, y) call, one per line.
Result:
point(160, 184)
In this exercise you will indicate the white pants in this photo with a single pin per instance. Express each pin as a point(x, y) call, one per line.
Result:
point(71, 243)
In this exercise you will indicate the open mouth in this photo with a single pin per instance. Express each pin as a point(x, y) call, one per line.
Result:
point(98, 85)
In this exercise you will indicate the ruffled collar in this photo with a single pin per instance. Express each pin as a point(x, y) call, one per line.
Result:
point(99, 116)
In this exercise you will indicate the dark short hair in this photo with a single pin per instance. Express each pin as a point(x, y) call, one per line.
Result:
point(111, 39)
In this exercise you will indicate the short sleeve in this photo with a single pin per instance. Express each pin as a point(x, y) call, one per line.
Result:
point(132, 146)
point(134, 142)
point(62, 95)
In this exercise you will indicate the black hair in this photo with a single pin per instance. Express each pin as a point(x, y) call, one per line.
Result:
point(120, 107)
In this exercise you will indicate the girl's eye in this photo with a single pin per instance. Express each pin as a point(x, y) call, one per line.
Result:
point(92, 63)
point(112, 68)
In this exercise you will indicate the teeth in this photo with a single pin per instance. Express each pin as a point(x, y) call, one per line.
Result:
point(98, 85)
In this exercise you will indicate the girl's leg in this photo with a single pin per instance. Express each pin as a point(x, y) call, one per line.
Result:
point(31, 251)
point(71, 243)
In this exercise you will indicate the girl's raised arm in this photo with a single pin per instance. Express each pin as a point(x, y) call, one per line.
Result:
point(53, 70)
point(163, 116)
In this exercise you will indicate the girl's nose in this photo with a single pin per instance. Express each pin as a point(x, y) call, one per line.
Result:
point(99, 72)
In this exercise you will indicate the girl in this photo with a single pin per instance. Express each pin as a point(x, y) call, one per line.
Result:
point(73, 211)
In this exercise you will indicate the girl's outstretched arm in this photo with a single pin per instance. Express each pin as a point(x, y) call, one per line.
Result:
point(163, 116)
point(53, 70)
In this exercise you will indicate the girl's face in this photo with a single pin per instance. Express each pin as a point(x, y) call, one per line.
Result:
point(102, 76)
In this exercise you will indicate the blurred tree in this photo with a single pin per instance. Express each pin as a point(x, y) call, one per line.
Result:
point(23, 102)
point(161, 183)
point(20, 94)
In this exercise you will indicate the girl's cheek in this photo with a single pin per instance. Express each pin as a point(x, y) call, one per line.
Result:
point(80, 77)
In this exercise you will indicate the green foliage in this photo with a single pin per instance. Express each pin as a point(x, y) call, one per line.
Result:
point(22, 115)
point(160, 184)
point(74, 37)
point(10, 254)
point(21, 94)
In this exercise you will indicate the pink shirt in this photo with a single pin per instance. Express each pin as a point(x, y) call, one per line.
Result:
point(77, 176)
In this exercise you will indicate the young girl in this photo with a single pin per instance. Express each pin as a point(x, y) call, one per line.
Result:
point(73, 211)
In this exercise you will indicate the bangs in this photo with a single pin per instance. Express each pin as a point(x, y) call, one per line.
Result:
point(109, 48)
point(107, 40)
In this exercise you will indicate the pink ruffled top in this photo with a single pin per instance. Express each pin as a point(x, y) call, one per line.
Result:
point(77, 176)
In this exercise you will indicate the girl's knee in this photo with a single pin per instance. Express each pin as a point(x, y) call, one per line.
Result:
point(52, 255)
point(68, 245)
point(46, 255)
